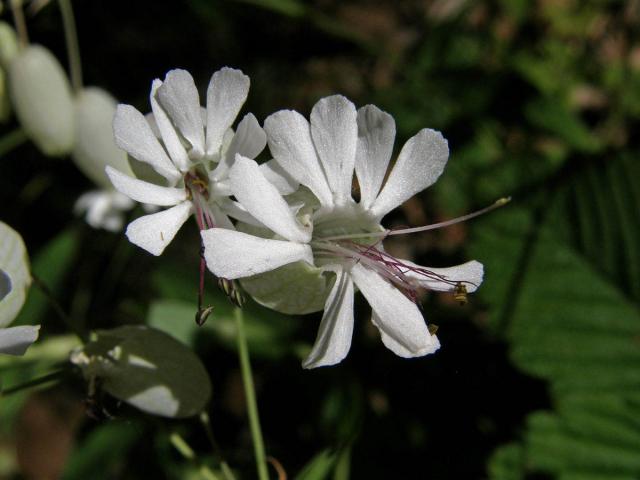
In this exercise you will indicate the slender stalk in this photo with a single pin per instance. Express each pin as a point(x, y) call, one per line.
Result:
point(250, 394)
point(66, 319)
point(73, 47)
point(181, 445)
point(206, 423)
point(12, 140)
point(32, 383)
point(403, 231)
point(18, 20)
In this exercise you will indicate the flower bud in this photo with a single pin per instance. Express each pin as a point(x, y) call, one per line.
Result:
point(42, 100)
point(8, 44)
point(94, 146)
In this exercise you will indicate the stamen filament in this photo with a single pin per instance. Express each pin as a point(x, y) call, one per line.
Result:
point(384, 233)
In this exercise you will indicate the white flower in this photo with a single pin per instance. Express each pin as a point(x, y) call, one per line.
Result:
point(193, 143)
point(342, 236)
point(103, 208)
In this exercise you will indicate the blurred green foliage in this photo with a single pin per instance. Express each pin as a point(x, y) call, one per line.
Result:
point(538, 99)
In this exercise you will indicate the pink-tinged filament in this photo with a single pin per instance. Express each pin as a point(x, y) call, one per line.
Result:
point(387, 266)
point(198, 192)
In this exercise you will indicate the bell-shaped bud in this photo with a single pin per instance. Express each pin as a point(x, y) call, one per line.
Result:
point(8, 44)
point(94, 146)
point(42, 99)
point(8, 49)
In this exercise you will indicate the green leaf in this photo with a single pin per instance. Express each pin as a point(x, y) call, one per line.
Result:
point(507, 463)
point(568, 304)
point(14, 274)
point(554, 116)
point(147, 369)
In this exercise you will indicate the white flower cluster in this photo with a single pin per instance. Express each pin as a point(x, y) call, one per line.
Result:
point(289, 229)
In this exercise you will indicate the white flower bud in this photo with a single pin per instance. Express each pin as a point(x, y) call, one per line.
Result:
point(8, 43)
point(95, 147)
point(42, 99)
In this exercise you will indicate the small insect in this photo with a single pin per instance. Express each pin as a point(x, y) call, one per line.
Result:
point(433, 328)
point(460, 293)
point(162, 236)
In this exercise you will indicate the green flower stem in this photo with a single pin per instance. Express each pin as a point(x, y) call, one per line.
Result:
point(50, 377)
point(73, 47)
point(12, 140)
point(250, 394)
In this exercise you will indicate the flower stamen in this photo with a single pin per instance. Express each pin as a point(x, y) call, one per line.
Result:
point(497, 204)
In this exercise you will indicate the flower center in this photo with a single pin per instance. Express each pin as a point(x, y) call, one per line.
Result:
point(197, 186)
point(349, 235)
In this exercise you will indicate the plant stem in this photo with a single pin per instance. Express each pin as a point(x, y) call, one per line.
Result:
point(206, 423)
point(32, 383)
point(18, 20)
point(66, 319)
point(250, 394)
point(73, 47)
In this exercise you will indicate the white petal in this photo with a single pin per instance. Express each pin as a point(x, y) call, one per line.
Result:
point(470, 274)
point(133, 134)
point(405, 332)
point(179, 97)
point(153, 124)
point(336, 329)
point(227, 92)
point(419, 165)
point(279, 177)
point(397, 347)
point(154, 232)
point(376, 133)
point(230, 254)
point(238, 211)
point(145, 192)
point(289, 139)
point(262, 200)
point(249, 140)
point(16, 340)
point(168, 133)
point(335, 132)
